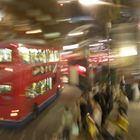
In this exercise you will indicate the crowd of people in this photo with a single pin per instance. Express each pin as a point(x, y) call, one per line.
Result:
point(100, 113)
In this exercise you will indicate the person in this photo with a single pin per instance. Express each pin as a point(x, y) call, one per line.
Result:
point(119, 111)
point(83, 111)
point(110, 127)
point(97, 112)
point(122, 101)
point(136, 91)
point(122, 83)
point(75, 109)
point(67, 121)
point(105, 99)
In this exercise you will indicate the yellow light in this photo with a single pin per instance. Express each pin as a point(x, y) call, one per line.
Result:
point(34, 31)
point(76, 34)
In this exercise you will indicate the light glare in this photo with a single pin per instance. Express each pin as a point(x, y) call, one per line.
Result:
point(34, 31)
point(90, 2)
point(70, 47)
point(76, 34)
point(8, 69)
point(128, 51)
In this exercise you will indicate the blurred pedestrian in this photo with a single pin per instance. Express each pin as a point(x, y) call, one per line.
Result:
point(83, 111)
point(122, 83)
point(97, 112)
point(67, 121)
point(136, 91)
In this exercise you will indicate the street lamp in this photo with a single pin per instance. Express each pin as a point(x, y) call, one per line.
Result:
point(90, 2)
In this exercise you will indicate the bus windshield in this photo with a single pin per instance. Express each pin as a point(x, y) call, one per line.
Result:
point(5, 55)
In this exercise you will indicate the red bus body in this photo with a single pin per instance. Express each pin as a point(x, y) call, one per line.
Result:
point(17, 78)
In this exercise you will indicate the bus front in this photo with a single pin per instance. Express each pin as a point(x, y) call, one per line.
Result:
point(7, 82)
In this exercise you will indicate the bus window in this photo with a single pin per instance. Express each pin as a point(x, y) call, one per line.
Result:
point(24, 53)
point(50, 54)
point(56, 56)
point(5, 55)
point(5, 89)
point(49, 82)
point(39, 88)
point(53, 56)
point(32, 53)
point(47, 55)
point(43, 55)
point(50, 68)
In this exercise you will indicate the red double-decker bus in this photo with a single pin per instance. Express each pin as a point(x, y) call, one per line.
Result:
point(29, 81)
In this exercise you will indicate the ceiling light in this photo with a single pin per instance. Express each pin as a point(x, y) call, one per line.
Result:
point(52, 35)
point(70, 47)
point(34, 31)
point(128, 51)
point(76, 34)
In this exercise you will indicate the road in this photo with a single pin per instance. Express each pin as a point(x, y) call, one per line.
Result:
point(47, 123)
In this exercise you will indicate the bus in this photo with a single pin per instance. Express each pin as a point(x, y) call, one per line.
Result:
point(29, 81)
point(75, 70)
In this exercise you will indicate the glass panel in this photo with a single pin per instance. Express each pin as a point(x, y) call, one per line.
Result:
point(51, 56)
point(43, 55)
point(5, 55)
point(49, 83)
point(39, 88)
point(47, 55)
point(56, 56)
point(5, 89)
point(24, 53)
point(33, 53)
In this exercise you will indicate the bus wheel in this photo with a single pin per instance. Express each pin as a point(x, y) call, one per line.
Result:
point(34, 111)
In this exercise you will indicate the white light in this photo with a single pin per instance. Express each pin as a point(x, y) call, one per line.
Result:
point(23, 49)
point(52, 35)
point(8, 69)
point(62, 20)
point(20, 45)
point(13, 114)
point(64, 1)
point(34, 31)
point(90, 2)
point(128, 51)
point(105, 40)
point(76, 34)
point(15, 111)
point(96, 45)
point(2, 14)
point(70, 47)
point(65, 53)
